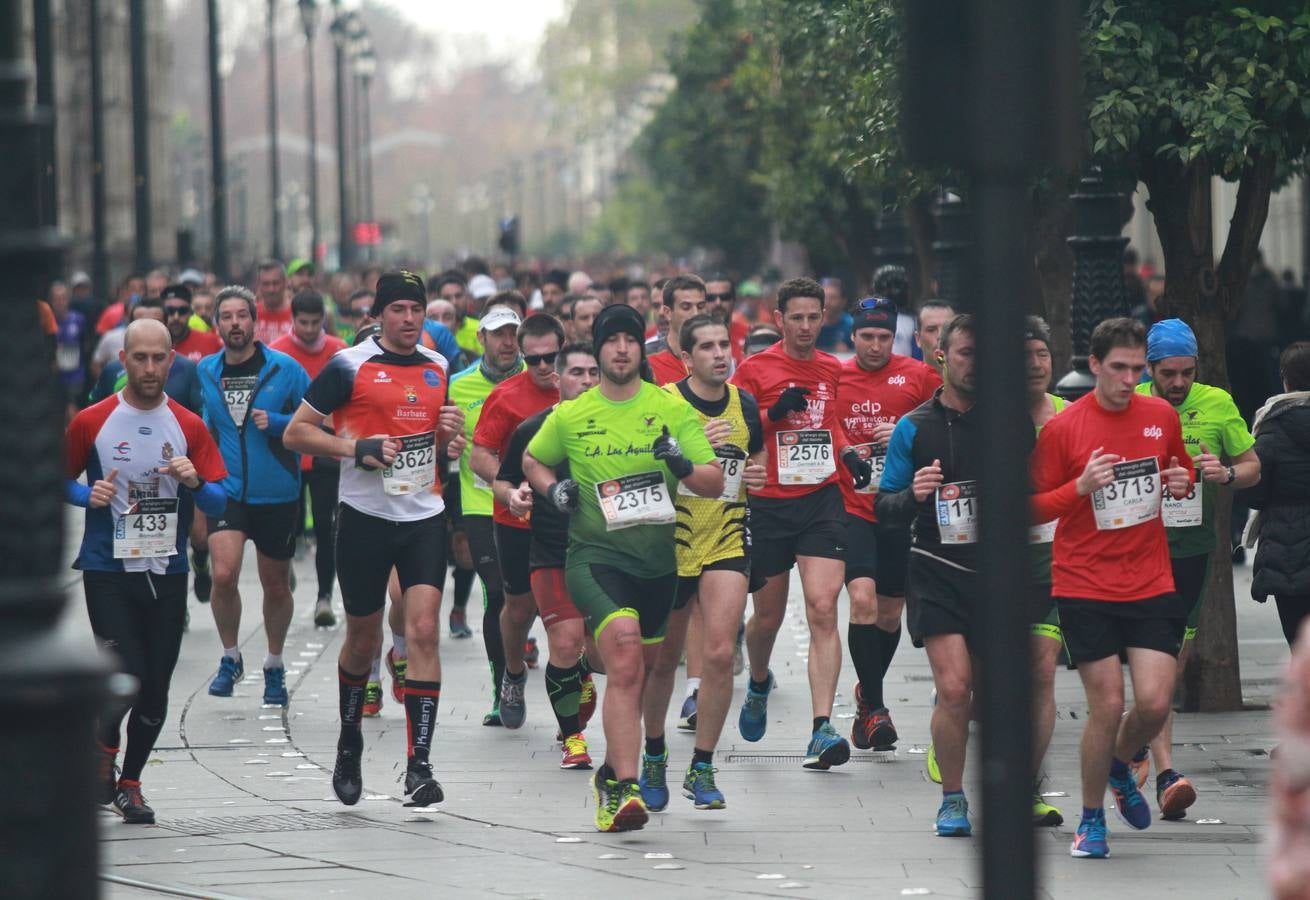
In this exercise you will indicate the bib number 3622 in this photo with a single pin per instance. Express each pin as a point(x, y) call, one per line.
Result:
point(957, 512)
point(641, 499)
point(805, 457)
point(414, 469)
point(147, 529)
point(1132, 498)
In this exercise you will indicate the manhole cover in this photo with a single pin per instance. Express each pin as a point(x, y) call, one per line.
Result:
point(260, 824)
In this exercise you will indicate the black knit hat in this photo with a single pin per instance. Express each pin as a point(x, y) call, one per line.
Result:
point(401, 285)
point(615, 319)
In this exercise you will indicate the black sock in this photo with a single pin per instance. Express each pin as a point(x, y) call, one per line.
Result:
point(702, 756)
point(655, 746)
point(819, 722)
point(421, 716)
point(606, 772)
point(564, 688)
point(350, 698)
point(760, 687)
point(1160, 779)
point(463, 586)
point(141, 736)
point(889, 641)
point(201, 556)
point(866, 655)
point(491, 640)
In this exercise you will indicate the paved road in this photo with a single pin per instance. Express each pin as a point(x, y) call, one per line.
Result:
point(246, 809)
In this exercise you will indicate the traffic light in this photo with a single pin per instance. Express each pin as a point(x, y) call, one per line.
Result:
point(509, 235)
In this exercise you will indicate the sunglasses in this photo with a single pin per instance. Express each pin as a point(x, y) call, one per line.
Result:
point(537, 359)
point(727, 296)
point(177, 311)
point(876, 303)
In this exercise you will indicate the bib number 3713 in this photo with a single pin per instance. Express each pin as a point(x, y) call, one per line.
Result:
point(805, 457)
point(1132, 498)
point(414, 469)
point(147, 529)
point(630, 500)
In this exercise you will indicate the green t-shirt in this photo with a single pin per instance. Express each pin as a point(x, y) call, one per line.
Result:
point(468, 390)
point(467, 337)
point(609, 444)
point(1208, 416)
point(1039, 553)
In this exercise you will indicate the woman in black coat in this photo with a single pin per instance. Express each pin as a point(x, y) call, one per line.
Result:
point(1282, 441)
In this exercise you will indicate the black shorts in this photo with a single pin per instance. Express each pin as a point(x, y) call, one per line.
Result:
point(482, 547)
point(687, 584)
point(939, 599)
point(513, 547)
point(272, 526)
point(877, 551)
point(783, 528)
point(368, 548)
point(1096, 629)
point(1190, 576)
point(1043, 616)
point(603, 593)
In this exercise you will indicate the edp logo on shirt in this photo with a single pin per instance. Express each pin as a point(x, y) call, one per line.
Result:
point(1154, 431)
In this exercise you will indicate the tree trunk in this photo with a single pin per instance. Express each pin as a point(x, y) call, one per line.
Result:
point(1208, 298)
point(1054, 266)
point(918, 217)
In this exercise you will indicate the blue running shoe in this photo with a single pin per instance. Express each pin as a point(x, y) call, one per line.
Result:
point(953, 817)
point(1129, 804)
point(827, 749)
point(687, 716)
point(698, 786)
point(275, 687)
point(654, 787)
point(1089, 842)
point(230, 671)
point(754, 718)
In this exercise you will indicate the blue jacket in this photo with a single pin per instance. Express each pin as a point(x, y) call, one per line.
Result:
point(260, 469)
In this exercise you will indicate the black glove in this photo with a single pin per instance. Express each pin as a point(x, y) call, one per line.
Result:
point(667, 448)
point(564, 494)
point(792, 400)
point(368, 447)
point(861, 469)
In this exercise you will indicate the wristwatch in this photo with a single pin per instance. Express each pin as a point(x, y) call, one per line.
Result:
point(1232, 475)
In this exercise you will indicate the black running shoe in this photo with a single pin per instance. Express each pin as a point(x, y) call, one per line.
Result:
point(129, 804)
point(421, 788)
point(347, 782)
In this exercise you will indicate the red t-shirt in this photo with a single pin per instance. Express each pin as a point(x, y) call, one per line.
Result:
point(1119, 564)
point(198, 344)
point(666, 367)
point(312, 363)
point(738, 328)
point(271, 324)
point(765, 376)
point(109, 319)
point(866, 399)
point(509, 403)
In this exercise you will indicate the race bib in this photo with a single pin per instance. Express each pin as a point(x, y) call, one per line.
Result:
point(635, 500)
point(877, 455)
point(237, 391)
point(1043, 534)
point(68, 357)
point(1132, 498)
point(1184, 513)
point(804, 457)
point(733, 462)
point(148, 528)
point(957, 512)
point(414, 470)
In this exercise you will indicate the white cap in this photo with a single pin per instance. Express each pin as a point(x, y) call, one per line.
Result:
point(79, 278)
point(481, 287)
point(499, 317)
point(191, 276)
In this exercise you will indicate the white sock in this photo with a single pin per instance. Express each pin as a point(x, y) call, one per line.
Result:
point(273, 661)
point(374, 672)
point(398, 645)
point(692, 685)
point(232, 653)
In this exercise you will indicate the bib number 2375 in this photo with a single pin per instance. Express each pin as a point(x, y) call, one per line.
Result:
point(635, 500)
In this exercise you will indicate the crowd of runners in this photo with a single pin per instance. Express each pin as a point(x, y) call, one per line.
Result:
point(642, 469)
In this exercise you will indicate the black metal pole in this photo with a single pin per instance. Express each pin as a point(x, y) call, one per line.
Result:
point(217, 154)
point(274, 172)
point(344, 250)
point(44, 52)
point(99, 254)
point(357, 158)
point(311, 101)
point(49, 691)
point(366, 145)
point(141, 136)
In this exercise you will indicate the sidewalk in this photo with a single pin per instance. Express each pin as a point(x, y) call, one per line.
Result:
point(245, 804)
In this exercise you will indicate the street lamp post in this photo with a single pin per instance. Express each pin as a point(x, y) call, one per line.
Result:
point(99, 251)
point(274, 174)
point(217, 153)
point(341, 28)
point(140, 135)
point(366, 64)
point(309, 21)
point(950, 251)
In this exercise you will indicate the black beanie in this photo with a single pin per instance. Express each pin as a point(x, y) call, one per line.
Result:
point(875, 313)
point(615, 319)
point(401, 285)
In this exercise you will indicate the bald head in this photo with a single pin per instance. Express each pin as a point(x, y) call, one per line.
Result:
point(148, 333)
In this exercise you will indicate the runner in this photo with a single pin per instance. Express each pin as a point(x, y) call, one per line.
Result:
point(388, 400)
point(250, 392)
point(568, 673)
point(621, 570)
point(273, 319)
point(469, 390)
point(509, 403)
point(1212, 428)
point(721, 301)
point(933, 316)
point(148, 461)
point(684, 297)
point(1099, 468)
point(309, 345)
point(187, 341)
point(930, 479)
point(797, 518)
point(713, 553)
point(877, 388)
